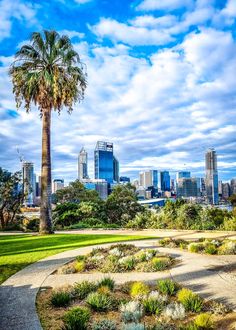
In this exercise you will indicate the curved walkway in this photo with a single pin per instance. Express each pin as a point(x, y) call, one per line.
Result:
point(211, 276)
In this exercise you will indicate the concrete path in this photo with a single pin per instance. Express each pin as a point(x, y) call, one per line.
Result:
point(211, 276)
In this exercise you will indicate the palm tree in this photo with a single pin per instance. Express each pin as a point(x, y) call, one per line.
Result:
point(48, 73)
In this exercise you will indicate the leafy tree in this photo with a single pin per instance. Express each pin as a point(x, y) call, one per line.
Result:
point(76, 193)
point(11, 198)
point(122, 205)
point(48, 73)
point(213, 218)
point(188, 217)
point(232, 200)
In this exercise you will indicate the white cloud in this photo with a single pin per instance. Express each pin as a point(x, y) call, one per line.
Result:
point(130, 34)
point(170, 5)
point(72, 34)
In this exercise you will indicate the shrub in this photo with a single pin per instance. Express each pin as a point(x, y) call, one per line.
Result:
point(108, 282)
point(195, 247)
point(218, 308)
point(99, 301)
point(175, 311)
point(228, 247)
point(204, 321)
point(80, 266)
point(131, 312)
point(127, 262)
point(104, 325)
point(76, 318)
point(191, 301)
point(160, 264)
point(67, 269)
point(110, 265)
point(60, 298)
point(84, 288)
point(164, 241)
point(152, 305)
point(167, 287)
point(138, 290)
point(210, 248)
point(133, 326)
point(104, 290)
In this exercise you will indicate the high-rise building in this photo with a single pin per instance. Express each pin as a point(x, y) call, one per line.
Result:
point(116, 170)
point(183, 174)
point(83, 164)
point(101, 186)
point(172, 185)
point(28, 183)
point(187, 187)
point(148, 179)
point(225, 190)
point(57, 185)
point(165, 180)
point(211, 176)
point(103, 161)
point(233, 186)
point(124, 179)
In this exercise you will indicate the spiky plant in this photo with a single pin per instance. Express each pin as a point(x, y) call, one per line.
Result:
point(47, 72)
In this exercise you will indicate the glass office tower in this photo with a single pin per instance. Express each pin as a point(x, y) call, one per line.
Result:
point(211, 177)
point(28, 183)
point(165, 180)
point(103, 161)
point(83, 164)
point(116, 170)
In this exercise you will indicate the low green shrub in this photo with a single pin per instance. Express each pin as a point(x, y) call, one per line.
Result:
point(167, 286)
point(210, 248)
point(131, 312)
point(104, 325)
point(77, 318)
point(67, 269)
point(108, 282)
point(139, 289)
point(152, 306)
point(191, 301)
point(99, 302)
point(204, 321)
point(164, 241)
point(160, 264)
point(60, 298)
point(195, 247)
point(127, 263)
point(80, 266)
point(228, 247)
point(82, 289)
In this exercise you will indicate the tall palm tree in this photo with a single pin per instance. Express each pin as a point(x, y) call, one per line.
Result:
point(47, 72)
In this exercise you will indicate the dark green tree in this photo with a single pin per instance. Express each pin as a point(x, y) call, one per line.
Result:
point(47, 72)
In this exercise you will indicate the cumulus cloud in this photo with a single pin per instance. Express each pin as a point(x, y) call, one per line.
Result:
point(148, 5)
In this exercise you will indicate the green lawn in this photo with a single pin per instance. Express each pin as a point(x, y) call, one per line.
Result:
point(18, 251)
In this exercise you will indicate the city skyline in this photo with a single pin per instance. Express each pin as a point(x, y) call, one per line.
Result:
point(161, 84)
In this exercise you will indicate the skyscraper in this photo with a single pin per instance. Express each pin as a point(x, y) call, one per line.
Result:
point(183, 174)
point(116, 170)
point(83, 165)
point(57, 185)
point(187, 187)
point(28, 183)
point(103, 161)
point(148, 179)
point(211, 176)
point(165, 180)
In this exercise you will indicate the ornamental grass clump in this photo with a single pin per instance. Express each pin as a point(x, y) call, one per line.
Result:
point(60, 298)
point(228, 247)
point(104, 325)
point(167, 286)
point(191, 301)
point(100, 302)
point(152, 305)
point(67, 269)
point(108, 282)
point(131, 311)
point(139, 290)
point(195, 247)
point(204, 321)
point(81, 290)
point(127, 263)
point(159, 264)
point(210, 248)
point(77, 318)
point(175, 311)
point(80, 266)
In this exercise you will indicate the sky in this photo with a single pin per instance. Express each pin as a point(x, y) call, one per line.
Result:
point(161, 84)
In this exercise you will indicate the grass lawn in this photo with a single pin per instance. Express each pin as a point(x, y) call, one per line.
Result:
point(18, 251)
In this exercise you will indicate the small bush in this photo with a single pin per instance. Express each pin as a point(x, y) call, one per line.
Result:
point(191, 301)
point(133, 326)
point(195, 247)
point(60, 298)
point(84, 288)
point(210, 248)
point(76, 318)
point(164, 241)
point(175, 311)
point(218, 308)
point(108, 282)
point(160, 264)
point(80, 266)
point(204, 321)
point(139, 289)
point(152, 306)
point(127, 262)
point(228, 247)
point(104, 290)
point(67, 269)
point(131, 312)
point(99, 302)
point(167, 287)
point(104, 325)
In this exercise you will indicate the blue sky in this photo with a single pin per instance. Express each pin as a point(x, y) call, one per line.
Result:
point(161, 83)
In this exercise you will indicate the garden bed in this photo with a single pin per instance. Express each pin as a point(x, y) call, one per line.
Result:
point(204, 246)
point(132, 306)
point(119, 258)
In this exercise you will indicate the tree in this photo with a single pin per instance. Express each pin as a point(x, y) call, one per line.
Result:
point(122, 205)
point(232, 200)
point(48, 73)
point(11, 197)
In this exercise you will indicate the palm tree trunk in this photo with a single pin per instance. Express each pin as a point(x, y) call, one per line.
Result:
point(46, 182)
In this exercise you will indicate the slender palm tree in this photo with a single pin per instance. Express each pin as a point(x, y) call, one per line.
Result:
point(48, 73)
